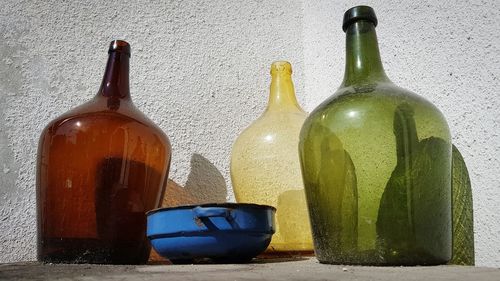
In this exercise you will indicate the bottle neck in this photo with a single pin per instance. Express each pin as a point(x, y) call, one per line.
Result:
point(282, 93)
point(363, 64)
point(115, 82)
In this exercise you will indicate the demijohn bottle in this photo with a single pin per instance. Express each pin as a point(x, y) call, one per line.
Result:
point(100, 167)
point(265, 165)
point(376, 164)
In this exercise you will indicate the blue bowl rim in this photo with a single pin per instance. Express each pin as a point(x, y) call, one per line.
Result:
point(222, 205)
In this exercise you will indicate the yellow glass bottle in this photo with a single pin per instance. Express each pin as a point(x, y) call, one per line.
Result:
point(265, 165)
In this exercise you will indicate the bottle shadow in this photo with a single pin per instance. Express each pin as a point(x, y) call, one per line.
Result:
point(205, 184)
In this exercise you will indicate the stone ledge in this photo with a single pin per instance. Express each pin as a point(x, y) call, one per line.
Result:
point(305, 269)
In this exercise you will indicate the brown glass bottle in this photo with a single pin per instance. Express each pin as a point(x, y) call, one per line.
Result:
point(100, 167)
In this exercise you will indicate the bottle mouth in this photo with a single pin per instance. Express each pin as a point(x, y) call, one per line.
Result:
point(359, 13)
point(281, 67)
point(119, 46)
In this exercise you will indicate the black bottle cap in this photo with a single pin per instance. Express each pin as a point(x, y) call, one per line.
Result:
point(119, 46)
point(359, 13)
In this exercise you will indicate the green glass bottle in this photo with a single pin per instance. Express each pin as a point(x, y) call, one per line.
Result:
point(376, 164)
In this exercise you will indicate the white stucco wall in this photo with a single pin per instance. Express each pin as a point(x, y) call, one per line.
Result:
point(201, 72)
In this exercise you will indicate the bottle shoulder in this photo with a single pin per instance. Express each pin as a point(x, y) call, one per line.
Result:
point(271, 130)
point(381, 92)
point(275, 123)
point(97, 116)
point(366, 104)
point(374, 95)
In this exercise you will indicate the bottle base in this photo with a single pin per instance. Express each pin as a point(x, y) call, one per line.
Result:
point(93, 251)
point(431, 263)
point(371, 258)
point(290, 247)
point(288, 251)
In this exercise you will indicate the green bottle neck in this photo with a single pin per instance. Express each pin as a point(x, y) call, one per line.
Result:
point(282, 92)
point(363, 64)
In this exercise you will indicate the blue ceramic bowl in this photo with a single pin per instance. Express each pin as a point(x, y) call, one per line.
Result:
point(227, 232)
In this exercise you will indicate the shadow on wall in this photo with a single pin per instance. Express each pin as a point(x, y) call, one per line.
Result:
point(205, 184)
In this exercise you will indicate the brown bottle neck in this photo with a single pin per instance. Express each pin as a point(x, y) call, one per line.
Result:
point(115, 82)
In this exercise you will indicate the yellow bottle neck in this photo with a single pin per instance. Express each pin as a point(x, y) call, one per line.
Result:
point(282, 93)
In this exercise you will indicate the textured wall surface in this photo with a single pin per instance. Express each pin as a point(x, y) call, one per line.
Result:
point(446, 51)
point(200, 71)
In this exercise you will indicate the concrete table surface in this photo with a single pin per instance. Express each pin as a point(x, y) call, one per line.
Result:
point(305, 269)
